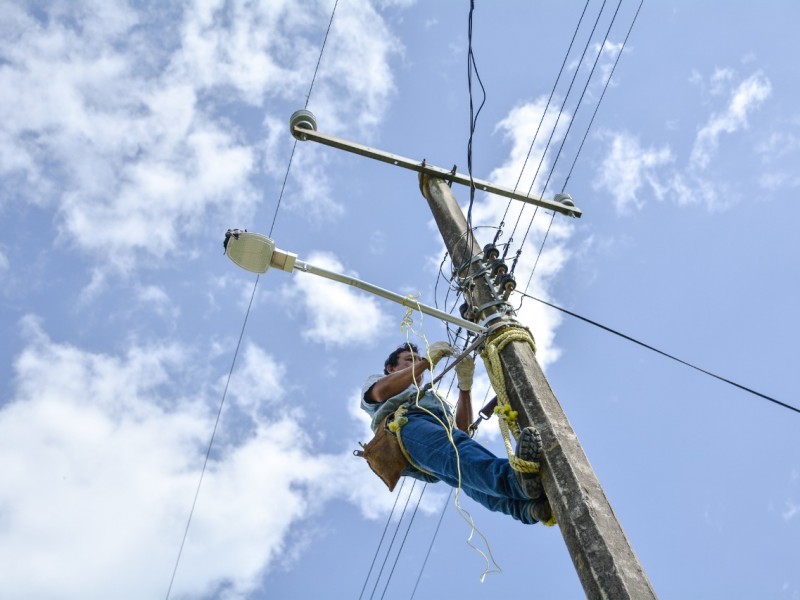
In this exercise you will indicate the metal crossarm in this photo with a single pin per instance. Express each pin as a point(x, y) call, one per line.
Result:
point(303, 133)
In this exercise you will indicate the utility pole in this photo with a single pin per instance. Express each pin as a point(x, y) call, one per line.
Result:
point(603, 557)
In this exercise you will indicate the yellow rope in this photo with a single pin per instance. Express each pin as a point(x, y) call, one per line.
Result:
point(507, 417)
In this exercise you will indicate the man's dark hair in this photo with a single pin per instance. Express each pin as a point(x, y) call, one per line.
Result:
point(394, 357)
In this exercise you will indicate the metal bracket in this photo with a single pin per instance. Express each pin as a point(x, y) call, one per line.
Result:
point(303, 132)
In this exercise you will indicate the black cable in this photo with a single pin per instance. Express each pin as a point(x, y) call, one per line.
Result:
point(321, 50)
point(211, 441)
point(585, 135)
point(430, 547)
point(605, 87)
point(403, 543)
point(555, 128)
point(538, 256)
point(283, 187)
point(394, 537)
point(569, 127)
point(241, 334)
point(308, 97)
point(383, 535)
point(683, 362)
point(541, 121)
point(473, 115)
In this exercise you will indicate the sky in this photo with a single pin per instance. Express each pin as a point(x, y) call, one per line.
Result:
point(134, 134)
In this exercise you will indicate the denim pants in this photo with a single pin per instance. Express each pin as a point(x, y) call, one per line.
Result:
point(485, 478)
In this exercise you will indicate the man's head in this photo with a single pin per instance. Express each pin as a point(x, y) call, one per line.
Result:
point(401, 354)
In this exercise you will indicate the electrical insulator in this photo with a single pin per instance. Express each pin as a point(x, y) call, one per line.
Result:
point(491, 252)
point(499, 268)
point(507, 284)
point(464, 310)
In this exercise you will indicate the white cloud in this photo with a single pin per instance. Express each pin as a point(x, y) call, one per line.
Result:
point(792, 510)
point(158, 300)
point(518, 128)
point(489, 210)
point(628, 167)
point(748, 96)
point(118, 126)
point(102, 456)
point(606, 62)
point(631, 172)
point(337, 314)
point(778, 144)
point(719, 80)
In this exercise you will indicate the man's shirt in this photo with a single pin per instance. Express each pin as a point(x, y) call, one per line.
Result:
point(412, 395)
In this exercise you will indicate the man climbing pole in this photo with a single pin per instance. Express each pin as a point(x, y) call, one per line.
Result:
point(417, 435)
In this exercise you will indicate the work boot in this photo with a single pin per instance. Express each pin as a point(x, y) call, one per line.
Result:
point(529, 448)
point(540, 510)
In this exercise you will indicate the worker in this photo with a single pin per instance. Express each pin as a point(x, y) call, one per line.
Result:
point(418, 436)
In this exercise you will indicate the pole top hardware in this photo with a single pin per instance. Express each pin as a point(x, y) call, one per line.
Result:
point(302, 119)
point(566, 200)
point(303, 126)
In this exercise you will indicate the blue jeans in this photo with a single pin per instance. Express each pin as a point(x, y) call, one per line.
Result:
point(485, 478)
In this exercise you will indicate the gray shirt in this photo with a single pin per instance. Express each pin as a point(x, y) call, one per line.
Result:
point(412, 395)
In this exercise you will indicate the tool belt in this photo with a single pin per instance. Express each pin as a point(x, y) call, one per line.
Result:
point(384, 455)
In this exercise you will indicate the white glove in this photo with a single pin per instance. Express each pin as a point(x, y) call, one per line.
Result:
point(438, 350)
point(465, 370)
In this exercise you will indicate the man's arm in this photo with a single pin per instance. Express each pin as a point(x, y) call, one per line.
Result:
point(396, 381)
point(464, 371)
point(464, 410)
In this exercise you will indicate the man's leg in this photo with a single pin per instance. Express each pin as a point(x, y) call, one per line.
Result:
point(521, 510)
point(474, 467)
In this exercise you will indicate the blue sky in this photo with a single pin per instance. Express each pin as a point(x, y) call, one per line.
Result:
point(135, 134)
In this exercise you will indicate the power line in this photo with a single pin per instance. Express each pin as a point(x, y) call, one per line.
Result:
point(433, 539)
point(541, 120)
point(403, 543)
point(391, 543)
point(600, 100)
point(473, 115)
point(383, 535)
point(564, 140)
point(661, 352)
point(552, 133)
point(585, 135)
point(210, 444)
point(241, 334)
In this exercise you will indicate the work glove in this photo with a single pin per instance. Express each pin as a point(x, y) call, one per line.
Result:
point(465, 369)
point(438, 350)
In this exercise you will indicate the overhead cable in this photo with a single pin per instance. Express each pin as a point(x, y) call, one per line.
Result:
point(383, 535)
point(541, 121)
point(600, 100)
point(572, 120)
point(241, 334)
point(552, 134)
point(670, 356)
point(580, 148)
point(473, 114)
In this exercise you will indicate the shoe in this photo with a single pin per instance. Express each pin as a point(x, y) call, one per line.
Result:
point(540, 510)
point(529, 448)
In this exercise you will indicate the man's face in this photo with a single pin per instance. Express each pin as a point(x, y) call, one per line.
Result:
point(405, 360)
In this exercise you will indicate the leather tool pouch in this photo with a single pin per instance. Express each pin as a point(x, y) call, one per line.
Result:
point(384, 456)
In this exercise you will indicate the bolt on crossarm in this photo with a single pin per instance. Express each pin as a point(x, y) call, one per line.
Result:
point(603, 557)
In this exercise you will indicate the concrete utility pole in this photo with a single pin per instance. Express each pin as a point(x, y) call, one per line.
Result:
point(603, 557)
